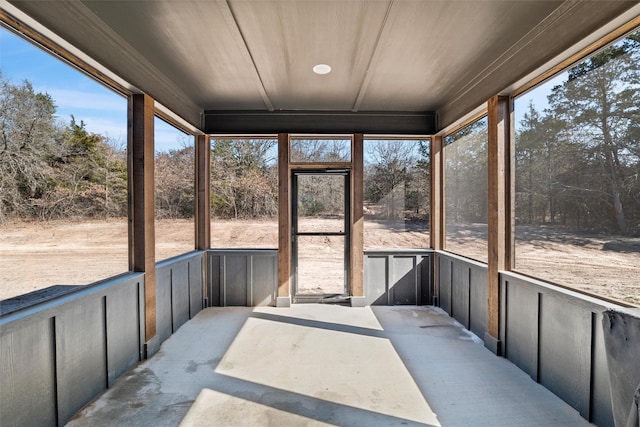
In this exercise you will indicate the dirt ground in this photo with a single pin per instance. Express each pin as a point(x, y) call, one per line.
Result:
point(38, 255)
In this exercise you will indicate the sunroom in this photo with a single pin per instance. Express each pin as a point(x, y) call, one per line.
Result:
point(320, 212)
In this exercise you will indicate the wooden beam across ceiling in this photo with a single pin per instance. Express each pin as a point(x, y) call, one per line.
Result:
point(319, 122)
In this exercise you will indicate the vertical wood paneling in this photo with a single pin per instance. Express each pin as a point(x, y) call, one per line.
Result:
point(122, 331)
point(376, 280)
point(27, 364)
point(403, 285)
point(426, 280)
point(197, 273)
point(460, 293)
point(565, 351)
point(521, 336)
point(444, 281)
point(263, 280)
point(163, 303)
point(236, 280)
point(478, 301)
point(601, 413)
point(80, 355)
point(215, 280)
point(179, 294)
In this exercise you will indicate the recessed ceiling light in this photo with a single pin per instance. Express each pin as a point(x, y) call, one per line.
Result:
point(322, 69)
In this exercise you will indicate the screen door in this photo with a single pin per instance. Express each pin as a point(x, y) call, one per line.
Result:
point(320, 233)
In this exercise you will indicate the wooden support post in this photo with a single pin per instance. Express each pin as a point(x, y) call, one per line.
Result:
point(437, 193)
point(284, 222)
point(202, 206)
point(436, 215)
point(500, 214)
point(357, 219)
point(203, 193)
point(142, 204)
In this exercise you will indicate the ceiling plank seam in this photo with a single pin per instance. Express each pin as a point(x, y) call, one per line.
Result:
point(231, 18)
point(372, 60)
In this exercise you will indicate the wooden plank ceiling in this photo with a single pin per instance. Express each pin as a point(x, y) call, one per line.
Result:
point(386, 55)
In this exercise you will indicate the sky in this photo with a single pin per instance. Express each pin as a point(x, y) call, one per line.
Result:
point(102, 110)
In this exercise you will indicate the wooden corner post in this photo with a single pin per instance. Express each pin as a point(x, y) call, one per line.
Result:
point(202, 223)
point(202, 193)
point(142, 204)
point(436, 220)
point(357, 218)
point(500, 210)
point(283, 298)
point(436, 214)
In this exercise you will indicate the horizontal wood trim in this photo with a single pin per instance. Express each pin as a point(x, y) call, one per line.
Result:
point(319, 122)
point(319, 165)
point(473, 118)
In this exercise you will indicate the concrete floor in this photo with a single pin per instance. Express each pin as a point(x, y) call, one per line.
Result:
point(315, 364)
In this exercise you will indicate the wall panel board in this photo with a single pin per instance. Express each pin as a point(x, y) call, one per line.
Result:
point(444, 282)
point(376, 283)
point(264, 275)
point(477, 301)
point(565, 351)
point(81, 361)
point(214, 278)
point(460, 292)
point(426, 280)
point(58, 355)
point(27, 358)
point(164, 319)
point(196, 285)
point(236, 276)
point(123, 330)
point(403, 288)
point(179, 294)
point(242, 277)
point(569, 343)
point(521, 337)
point(601, 405)
point(394, 277)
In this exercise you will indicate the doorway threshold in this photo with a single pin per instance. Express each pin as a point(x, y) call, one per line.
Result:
point(322, 299)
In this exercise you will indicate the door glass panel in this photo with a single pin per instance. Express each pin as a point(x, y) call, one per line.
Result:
point(320, 150)
point(321, 265)
point(321, 204)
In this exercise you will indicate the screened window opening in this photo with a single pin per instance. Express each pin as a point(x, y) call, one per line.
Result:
point(174, 191)
point(320, 149)
point(577, 203)
point(244, 193)
point(465, 192)
point(396, 193)
point(63, 176)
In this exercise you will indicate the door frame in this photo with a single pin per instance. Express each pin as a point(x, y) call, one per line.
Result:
point(356, 165)
point(346, 234)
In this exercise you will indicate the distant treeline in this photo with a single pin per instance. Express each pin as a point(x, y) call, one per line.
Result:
point(577, 162)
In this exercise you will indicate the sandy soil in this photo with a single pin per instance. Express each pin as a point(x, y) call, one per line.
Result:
point(37, 255)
